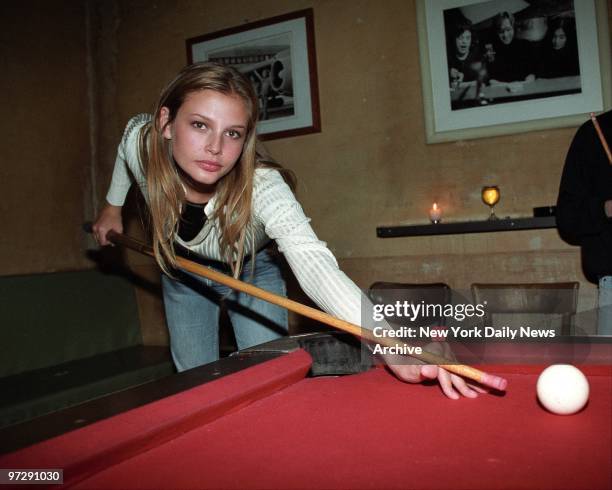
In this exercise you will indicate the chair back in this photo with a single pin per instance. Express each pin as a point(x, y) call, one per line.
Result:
point(558, 298)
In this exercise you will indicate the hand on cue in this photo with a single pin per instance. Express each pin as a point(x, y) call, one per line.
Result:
point(109, 219)
point(449, 376)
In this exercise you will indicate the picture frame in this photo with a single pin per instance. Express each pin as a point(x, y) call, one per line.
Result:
point(476, 109)
point(278, 55)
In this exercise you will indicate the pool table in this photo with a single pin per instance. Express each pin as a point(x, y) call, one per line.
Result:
point(258, 420)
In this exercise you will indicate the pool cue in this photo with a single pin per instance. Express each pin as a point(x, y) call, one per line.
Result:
point(469, 372)
point(602, 138)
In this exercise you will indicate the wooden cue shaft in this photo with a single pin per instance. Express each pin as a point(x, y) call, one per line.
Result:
point(602, 138)
point(201, 270)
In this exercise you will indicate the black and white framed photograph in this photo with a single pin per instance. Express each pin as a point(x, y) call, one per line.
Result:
point(506, 66)
point(278, 55)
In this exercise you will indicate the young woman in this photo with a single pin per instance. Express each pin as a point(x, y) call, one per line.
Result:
point(199, 150)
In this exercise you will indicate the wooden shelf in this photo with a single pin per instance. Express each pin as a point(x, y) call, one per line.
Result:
point(508, 224)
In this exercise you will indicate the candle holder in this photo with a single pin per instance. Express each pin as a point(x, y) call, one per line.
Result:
point(490, 196)
point(435, 214)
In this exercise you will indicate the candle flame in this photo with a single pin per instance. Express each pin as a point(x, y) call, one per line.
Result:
point(435, 206)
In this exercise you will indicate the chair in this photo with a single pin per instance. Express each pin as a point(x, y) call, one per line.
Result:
point(437, 293)
point(557, 298)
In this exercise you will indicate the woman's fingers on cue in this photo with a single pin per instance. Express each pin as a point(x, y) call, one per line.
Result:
point(410, 373)
point(108, 219)
point(95, 231)
point(462, 386)
point(452, 385)
point(99, 234)
point(444, 379)
point(478, 388)
point(428, 371)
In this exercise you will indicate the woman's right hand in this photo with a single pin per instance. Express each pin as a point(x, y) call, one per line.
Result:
point(108, 219)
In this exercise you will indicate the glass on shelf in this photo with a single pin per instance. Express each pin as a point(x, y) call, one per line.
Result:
point(490, 196)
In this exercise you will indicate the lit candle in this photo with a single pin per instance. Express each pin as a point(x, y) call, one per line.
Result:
point(435, 213)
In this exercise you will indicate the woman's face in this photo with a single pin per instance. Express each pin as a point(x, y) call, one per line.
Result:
point(505, 31)
point(559, 39)
point(207, 136)
point(463, 42)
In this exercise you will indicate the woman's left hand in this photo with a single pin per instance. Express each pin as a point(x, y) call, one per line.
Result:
point(452, 385)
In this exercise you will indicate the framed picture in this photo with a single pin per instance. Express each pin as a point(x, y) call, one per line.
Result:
point(507, 66)
point(278, 55)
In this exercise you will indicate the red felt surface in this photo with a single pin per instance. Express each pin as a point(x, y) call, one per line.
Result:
point(86, 451)
point(372, 431)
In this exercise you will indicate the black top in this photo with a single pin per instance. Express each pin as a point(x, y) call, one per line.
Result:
point(192, 220)
point(585, 185)
point(466, 66)
point(558, 63)
point(511, 62)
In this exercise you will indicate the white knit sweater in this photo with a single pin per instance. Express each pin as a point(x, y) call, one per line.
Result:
point(277, 215)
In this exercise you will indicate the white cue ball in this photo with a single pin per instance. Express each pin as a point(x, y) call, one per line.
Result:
point(562, 389)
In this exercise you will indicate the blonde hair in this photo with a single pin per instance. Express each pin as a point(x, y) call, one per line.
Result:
point(234, 192)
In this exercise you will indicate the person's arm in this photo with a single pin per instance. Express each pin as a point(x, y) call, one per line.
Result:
point(318, 273)
point(579, 212)
point(127, 166)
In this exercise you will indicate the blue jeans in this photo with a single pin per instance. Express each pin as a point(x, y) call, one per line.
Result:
point(604, 312)
point(192, 305)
